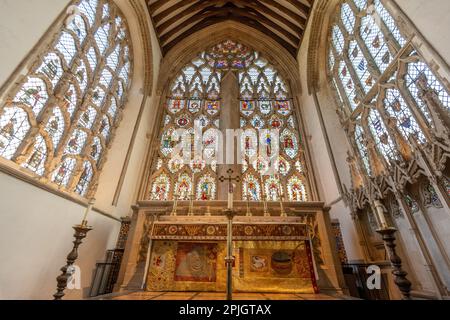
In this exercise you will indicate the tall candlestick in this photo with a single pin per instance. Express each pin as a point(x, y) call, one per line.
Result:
point(380, 214)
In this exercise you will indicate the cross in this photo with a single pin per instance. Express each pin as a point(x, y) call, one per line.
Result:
point(230, 179)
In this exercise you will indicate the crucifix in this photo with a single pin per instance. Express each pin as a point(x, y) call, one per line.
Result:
point(229, 260)
point(230, 179)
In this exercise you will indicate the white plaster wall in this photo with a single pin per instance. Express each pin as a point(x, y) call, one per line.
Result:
point(36, 236)
point(327, 183)
point(431, 18)
point(22, 24)
point(36, 230)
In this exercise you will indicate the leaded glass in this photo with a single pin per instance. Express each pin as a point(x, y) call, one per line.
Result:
point(160, 188)
point(398, 109)
point(206, 188)
point(251, 188)
point(382, 138)
point(72, 58)
point(364, 64)
point(348, 17)
point(195, 98)
point(362, 148)
point(296, 189)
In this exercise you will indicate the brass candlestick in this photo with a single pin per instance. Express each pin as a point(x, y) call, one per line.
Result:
point(229, 260)
point(175, 205)
point(191, 205)
point(399, 274)
point(264, 198)
point(280, 196)
point(80, 233)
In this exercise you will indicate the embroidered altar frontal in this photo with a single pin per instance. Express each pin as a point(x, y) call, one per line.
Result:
point(191, 257)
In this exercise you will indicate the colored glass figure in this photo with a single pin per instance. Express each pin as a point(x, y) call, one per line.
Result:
point(282, 166)
point(251, 189)
point(247, 107)
point(182, 121)
point(53, 126)
point(381, 136)
point(183, 187)
point(268, 143)
point(206, 188)
point(36, 157)
point(63, 174)
point(257, 122)
point(197, 165)
point(289, 143)
point(175, 164)
point(168, 142)
point(229, 55)
point(160, 188)
point(272, 186)
point(7, 132)
point(194, 106)
point(249, 141)
point(212, 107)
point(202, 121)
point(283, 107)
point(431, 198)
point(265, 107)
point(412, 204)
point(296, 189)
point(275, 122)
point(94, 151)
point(176, 106)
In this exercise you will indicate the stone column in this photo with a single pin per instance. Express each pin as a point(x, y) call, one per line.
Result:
point(229, 119)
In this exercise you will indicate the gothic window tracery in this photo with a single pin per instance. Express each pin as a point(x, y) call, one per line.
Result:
point(53, 108)
point(265, 102)
point(379, 78)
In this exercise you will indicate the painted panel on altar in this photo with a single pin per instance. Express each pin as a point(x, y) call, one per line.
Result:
point(274, 266)
point(196, 262)
point(187, 266)
point(261, 266)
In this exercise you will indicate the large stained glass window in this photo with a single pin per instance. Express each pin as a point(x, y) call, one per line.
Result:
point(57, 123)
point(194, 101)
point(378, 75)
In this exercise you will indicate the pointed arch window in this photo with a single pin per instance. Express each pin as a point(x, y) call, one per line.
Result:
point(51, 123)
point(371, 62)
point(265, 102)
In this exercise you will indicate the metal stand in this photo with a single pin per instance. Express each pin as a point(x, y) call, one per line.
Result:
point(191, 205)
point(229, 260)
point(400, 279)
point(80, 233)
point(175, 206)
point(266, 212)
point(249, 213)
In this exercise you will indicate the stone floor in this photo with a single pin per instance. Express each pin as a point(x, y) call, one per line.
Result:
point(220, 296)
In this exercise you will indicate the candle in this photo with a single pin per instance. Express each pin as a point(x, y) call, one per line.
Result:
point(230, 197)
point(380, 214)
point(88, 209)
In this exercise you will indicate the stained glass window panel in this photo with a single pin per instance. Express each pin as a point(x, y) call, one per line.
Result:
point(398, 109)
point(382, 138)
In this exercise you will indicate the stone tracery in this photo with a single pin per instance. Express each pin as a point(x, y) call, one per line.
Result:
point(53, 123)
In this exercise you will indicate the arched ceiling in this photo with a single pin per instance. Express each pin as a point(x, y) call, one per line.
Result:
point(283, 20)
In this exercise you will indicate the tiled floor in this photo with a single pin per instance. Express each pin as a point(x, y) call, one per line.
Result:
point(221, 296)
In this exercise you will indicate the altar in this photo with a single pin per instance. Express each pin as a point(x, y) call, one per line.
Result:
point(277, 254)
